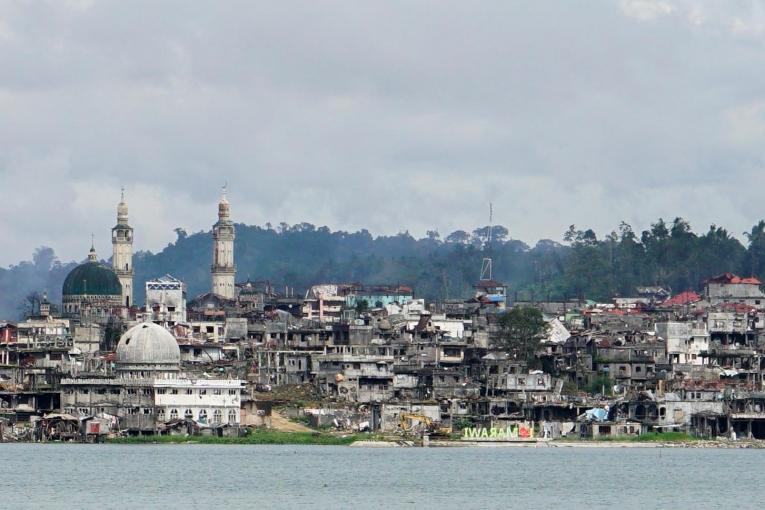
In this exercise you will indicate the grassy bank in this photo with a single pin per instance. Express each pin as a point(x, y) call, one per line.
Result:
point(255, 437)
point(651, 437)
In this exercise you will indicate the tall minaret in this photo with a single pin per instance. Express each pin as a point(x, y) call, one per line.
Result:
point(122, 251)
point(223, 268)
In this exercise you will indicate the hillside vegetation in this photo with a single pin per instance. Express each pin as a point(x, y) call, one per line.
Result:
point(582, 265)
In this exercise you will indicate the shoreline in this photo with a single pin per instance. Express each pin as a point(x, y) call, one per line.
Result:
point(602, 444)
point(356, 441)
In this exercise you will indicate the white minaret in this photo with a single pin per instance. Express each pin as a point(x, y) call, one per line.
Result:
point(122, 251)
point(223, 268)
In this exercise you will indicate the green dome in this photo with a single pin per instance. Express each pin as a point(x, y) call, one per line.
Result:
point(93, 279)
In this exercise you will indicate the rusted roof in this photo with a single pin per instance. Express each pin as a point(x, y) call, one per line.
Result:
point(483, 284)
point(684, 298)
point(730, 278)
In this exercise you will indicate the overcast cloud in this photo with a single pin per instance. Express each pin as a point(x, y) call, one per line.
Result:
point(390, 116)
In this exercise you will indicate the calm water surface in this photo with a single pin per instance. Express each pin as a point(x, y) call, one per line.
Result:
point(64, 476)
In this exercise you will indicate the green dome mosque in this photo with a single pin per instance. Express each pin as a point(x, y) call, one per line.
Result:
point(91, 289)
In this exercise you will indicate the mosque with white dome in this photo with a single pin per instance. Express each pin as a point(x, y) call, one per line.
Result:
point(144, 388)
point(147, 388)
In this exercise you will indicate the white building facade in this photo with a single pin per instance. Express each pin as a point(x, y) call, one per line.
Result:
point(166, 301)
point(149, 390)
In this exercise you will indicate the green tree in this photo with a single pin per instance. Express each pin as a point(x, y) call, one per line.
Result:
point(522, 329)
point(362, 306)
point(587, 272)
point(755, 256)
point(628, 261)
point(602, 384)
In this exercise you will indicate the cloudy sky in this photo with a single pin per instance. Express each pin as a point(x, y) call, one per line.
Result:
point(388, 115)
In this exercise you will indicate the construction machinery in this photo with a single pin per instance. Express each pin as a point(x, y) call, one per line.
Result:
point(413, 422)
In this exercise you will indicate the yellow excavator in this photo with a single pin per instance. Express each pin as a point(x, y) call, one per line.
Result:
point(409, 422)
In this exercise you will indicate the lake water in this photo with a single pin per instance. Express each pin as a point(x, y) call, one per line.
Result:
point(73, 476)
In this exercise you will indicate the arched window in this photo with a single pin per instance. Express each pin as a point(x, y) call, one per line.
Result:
point(217, 415)
point(174, 414)
point(203, 415)
point(232, 416)
point(161, 413)
point(188, 414)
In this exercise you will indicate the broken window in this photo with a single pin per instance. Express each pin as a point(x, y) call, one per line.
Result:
point(188, 414)
point(174, 414)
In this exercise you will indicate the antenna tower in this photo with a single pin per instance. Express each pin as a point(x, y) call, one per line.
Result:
point(486, 264)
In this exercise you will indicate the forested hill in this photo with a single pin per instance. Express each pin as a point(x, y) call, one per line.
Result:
point(582, 265)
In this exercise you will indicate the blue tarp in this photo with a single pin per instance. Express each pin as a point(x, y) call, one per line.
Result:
point(596, 414)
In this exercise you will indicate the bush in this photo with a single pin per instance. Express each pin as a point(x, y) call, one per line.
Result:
point(601, 385)
point(461, 422)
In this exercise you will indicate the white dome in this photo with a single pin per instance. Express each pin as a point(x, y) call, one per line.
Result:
point(148, 344)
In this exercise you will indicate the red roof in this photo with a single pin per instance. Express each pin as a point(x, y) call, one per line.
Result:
point(684, 298)
point(736, 307)
point(730, 278)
